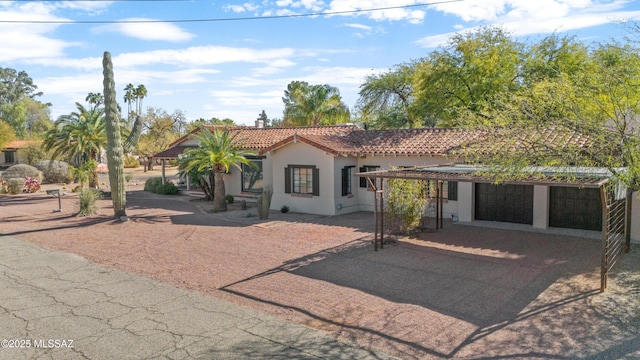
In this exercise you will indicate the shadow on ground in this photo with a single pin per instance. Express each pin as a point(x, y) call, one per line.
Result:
point(491, 279)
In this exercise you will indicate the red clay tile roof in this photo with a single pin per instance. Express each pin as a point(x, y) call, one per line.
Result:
point(349, 140)
point(18, 144)
point(428, 141)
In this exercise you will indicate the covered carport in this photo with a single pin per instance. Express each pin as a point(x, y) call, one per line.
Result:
point(614, 199)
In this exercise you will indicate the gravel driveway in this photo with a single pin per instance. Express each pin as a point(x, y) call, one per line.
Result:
point(463, 292)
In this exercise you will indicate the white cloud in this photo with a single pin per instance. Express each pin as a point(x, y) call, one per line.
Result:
point(205, 55)
point(413, 15)
point(359, 26)
point(29, 40)
point(147, 30)
point(241, 8)
point(525, 17)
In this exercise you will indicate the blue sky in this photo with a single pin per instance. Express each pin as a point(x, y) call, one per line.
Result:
point(236, 69)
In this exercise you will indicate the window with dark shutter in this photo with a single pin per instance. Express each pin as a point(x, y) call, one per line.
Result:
point(346, 180)
point(287, 180)
point(452, 190)
point(302, 179)
point(363, 180)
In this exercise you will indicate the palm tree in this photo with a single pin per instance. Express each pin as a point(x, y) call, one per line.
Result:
point(313, 104)
point(129, 97)
point(218, 151)
point(140, 93)
point(79, 136)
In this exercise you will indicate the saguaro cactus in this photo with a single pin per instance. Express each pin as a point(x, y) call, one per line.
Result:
point(115, 147)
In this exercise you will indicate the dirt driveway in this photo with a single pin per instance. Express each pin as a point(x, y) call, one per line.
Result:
point(465, 292)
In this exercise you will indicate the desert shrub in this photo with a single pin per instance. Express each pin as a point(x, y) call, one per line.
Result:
point(53, 171)
point(88, 198)
point(70, 175)
point(21, 171)
point(284, 209)
point(229, 198)
point(128, 177)
point(4, 184)
point(31, 185)
point(167, 188)
point(15, 185)
point(152, 184)
point(405, 204)
point(131, 162)
point(86, 173)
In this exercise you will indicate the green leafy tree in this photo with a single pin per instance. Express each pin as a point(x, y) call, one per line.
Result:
point(602, 104)
point(459, 85)
point(385, 99)
point(263, 117)
point(160, 130)
point(6, 134)
point(218, 151)
point(38, 117)
point(16, 89)
point(213, 121)
point(306, 104)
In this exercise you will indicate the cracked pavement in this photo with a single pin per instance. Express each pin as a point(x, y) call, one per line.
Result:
point(50, 298)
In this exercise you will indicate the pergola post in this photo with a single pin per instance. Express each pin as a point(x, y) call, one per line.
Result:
point(437, 205)
point(164, 178)
point(605, 228)
point(381, 213)
point(627, 220)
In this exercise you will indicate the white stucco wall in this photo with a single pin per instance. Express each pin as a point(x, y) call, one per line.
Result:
point(540, 206)
point(386, 163)
point(348, 203)
point(303, 154)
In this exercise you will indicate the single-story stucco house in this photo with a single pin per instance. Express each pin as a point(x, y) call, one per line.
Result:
point(313, 170)
point(13, 153)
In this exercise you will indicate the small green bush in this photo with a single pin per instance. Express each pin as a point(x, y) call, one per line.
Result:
point(88, 198)
point(284, 209)
point(15, 185)
point(167, 188)
point(229, 198)
point(70, 175)
point(131, 163)
point(53, 171)
point(21, 171)
point(152, 184)
point(128, 177)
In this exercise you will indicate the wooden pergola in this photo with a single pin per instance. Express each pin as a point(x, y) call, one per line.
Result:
point(615, 199)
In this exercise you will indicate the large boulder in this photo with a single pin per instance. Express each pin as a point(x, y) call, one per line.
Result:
point(21, 171)
point(54, 171)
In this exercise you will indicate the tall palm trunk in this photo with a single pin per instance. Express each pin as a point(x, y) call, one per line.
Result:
point(219, 201)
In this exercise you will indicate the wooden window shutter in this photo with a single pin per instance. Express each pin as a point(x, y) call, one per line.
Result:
point(316, 182)
point(363, 181)
point(287, 180)
point(452, 190)
point(345, 180)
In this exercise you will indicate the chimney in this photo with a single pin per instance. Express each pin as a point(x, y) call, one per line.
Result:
point(259, 124)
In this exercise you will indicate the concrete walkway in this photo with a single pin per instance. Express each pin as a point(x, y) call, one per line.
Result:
point(56, 305)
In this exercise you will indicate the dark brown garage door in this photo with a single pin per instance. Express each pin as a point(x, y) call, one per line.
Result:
point(506, 203)
point(575, 208)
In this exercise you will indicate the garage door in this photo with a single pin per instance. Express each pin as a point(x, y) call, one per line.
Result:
point(506, 203)
point(575, 208)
